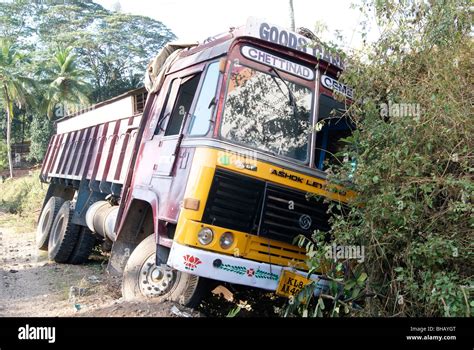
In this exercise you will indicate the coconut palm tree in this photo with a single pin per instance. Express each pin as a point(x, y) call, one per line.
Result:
point(67, 87)
point(292, 16)
point(12, 86)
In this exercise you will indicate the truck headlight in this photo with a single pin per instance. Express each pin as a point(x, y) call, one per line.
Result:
point(205, 236)
point(227, 239)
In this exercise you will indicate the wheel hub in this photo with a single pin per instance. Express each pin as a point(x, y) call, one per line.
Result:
point(155, 280)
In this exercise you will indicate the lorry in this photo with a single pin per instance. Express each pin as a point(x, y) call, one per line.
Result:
point(206, 175)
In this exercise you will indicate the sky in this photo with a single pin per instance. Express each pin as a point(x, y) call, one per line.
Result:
point(199, 19)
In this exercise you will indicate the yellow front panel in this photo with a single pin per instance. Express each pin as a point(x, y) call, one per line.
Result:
point(247, 246)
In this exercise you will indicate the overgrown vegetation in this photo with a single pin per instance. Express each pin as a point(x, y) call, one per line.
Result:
point(20, 202)
point(40, 131)
point(414, 176)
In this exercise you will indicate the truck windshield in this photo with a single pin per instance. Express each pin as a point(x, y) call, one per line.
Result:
point(259, 113)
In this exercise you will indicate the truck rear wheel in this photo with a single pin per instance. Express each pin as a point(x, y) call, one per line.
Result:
point(64, 234)
point(45, 222)
point(83, 248)
point(143, 279)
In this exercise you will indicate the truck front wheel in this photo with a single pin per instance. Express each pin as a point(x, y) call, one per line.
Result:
point(143, 278)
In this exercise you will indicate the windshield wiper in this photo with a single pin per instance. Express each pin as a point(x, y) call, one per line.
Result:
point(291, 96)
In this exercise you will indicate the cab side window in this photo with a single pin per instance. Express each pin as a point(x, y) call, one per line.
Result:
point(167, 106)
point(183, 103)
point(335, 127)
point(199, 121)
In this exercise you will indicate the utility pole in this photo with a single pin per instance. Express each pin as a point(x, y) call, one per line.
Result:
point(292, 16)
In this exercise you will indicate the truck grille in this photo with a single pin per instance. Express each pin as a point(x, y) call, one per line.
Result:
point(234, 202)
point(288, 213)
point(262, 208)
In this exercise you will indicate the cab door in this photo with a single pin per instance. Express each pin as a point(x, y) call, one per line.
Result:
point(169, 129)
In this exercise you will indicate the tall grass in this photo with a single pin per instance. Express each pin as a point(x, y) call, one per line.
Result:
point(20, 202)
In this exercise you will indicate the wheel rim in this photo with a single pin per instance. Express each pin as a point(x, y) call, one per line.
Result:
point(155, 281)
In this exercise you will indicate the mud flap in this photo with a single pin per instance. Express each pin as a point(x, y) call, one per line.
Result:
point(119, 256)
point(162, 251)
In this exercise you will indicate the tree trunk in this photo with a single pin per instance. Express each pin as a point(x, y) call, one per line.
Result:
point(9, 130)
point(292, 16)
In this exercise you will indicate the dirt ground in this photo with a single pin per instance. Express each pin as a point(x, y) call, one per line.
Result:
point(32, 286)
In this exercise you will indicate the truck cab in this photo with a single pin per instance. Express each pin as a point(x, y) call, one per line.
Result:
point(226, 154)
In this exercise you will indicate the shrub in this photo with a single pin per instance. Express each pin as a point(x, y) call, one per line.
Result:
point(22, 195)
point(414, 212)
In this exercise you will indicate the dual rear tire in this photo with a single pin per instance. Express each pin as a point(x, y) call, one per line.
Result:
point(45, 222)
point(65, 241)
point(146, 276)
point(64, 234)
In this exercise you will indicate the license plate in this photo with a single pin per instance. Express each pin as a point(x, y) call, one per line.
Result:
point(290, 284)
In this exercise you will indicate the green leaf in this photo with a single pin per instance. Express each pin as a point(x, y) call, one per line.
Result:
point(362, 277)
point(349, 285)
point(355, 292)
point(321, 304)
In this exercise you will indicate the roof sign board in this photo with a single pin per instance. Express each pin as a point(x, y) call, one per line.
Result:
point(277, 62)
point(281, 36)
point(334, 85)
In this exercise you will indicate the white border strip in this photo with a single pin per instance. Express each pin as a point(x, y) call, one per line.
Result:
point(231, 269)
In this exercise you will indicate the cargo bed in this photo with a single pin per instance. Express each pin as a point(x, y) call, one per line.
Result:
point(96, 144)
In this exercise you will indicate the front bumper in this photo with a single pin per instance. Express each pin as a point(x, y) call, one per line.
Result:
point(230, 269)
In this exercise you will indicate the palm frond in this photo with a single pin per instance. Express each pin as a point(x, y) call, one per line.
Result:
point(66, 85)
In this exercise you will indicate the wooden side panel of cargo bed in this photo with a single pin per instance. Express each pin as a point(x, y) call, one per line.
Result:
point(107, 150)
point(119, 141)
point(123, 150)
point(91, 141)
point(97, 152)
point(100, 153)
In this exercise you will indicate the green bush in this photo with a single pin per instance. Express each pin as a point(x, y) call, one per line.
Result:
point(414, 210)
point(23, 196)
